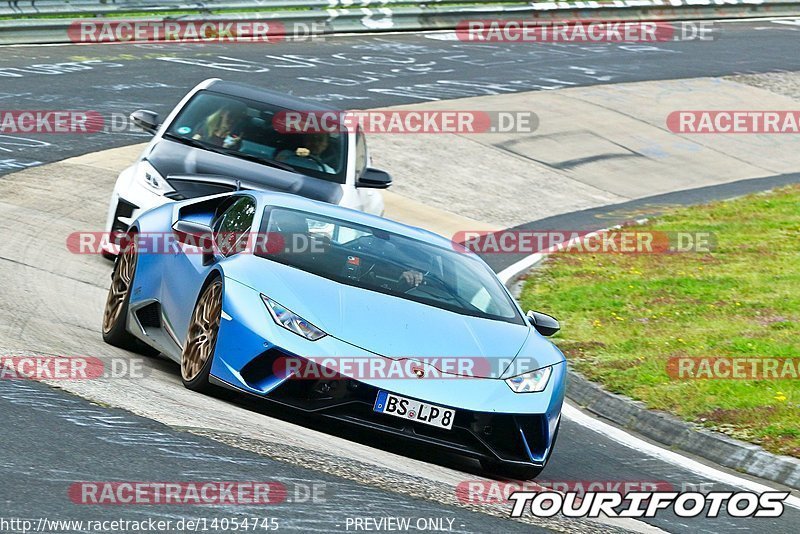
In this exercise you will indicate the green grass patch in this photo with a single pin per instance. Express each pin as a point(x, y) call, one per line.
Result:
point(624, 316)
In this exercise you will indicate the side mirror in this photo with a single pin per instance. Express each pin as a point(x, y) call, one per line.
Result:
point(543, 323)
point(374, 178)
point(146, 120)
point(196, 235)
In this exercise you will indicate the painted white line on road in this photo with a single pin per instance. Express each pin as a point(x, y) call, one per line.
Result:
point(529, 261)
point(522, 265)
point(624, 438)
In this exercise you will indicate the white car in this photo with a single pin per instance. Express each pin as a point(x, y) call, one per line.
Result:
point(226, 136)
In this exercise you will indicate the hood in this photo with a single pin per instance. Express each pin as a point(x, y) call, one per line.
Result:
point(175, 159)
point(391, 326)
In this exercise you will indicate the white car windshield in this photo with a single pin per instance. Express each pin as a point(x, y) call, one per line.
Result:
point(246, 129)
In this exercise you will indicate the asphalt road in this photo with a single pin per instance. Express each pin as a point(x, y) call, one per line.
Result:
point(40, 464)
point(350, 72)
point(354, 72)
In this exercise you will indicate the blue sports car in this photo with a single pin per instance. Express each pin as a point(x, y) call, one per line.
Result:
point(344, 314)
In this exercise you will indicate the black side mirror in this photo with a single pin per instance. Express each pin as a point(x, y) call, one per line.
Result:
point(146, 120)
point(374, 178)
point(543, 323)
point(196, 235)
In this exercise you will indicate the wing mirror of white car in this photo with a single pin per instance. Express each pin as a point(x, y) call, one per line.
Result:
point(374, 178)
point(543, 323)
point(146, 120)
point(196, 235)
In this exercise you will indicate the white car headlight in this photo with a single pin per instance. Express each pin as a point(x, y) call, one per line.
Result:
point(149, 176)
point(291, 321)
point(530, 382)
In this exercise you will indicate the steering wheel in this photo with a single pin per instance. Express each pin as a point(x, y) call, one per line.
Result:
point(291, 158)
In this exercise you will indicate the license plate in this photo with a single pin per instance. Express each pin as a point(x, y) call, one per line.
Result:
point(414, 410)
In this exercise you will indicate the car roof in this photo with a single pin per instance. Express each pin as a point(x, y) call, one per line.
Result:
point(291, 201)
point(260, 94)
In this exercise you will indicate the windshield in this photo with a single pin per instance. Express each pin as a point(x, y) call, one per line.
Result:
point(244, 128)
point(388, 263)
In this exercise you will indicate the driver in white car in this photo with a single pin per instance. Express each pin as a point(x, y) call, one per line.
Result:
point(310, 154)
point(222, 128)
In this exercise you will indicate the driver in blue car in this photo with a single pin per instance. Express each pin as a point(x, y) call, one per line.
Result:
point(413, 274)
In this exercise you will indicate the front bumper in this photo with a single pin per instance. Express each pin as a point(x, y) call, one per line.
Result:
point(523, 439)
point(492, 422)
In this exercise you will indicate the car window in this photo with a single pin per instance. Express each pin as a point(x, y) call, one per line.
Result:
point(232, 228)
point(394, 264)
point(253, 130)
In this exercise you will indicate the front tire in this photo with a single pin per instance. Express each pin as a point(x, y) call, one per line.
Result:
point(201, 339)
point(115, 314)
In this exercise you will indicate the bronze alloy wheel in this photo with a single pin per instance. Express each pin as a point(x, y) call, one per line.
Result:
point(121, 281)
point(202, 336)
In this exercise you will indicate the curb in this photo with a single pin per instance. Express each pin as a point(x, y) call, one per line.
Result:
point(689, 437)
point(667, 429)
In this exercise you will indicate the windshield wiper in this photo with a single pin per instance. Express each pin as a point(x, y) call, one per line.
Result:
point(230, 152)
point(185, 140)
point(256, 159)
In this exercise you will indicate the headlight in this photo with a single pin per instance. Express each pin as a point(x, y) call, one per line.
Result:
point(291, 321)
point(150, 177)
point(531, 382)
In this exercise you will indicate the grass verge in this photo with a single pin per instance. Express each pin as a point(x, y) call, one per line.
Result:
point(624, 316)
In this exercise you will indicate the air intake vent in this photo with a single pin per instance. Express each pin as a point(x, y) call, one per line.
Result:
point(186, 188)
point(124, 210)
point(150, 316)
